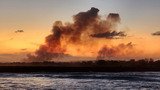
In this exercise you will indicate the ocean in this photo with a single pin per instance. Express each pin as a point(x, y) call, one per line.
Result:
point(81, 81)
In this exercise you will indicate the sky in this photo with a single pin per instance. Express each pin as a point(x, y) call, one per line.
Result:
point(139, 18)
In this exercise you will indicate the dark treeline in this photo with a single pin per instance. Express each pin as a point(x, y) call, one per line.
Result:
point(131, 62)
point(83, 66)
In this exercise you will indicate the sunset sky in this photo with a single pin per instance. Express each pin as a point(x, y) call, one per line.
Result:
point(139, 19)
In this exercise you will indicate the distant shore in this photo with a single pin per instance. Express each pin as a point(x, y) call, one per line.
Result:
point(84, 66)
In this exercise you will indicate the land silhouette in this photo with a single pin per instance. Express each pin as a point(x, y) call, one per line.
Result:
point(131, 65)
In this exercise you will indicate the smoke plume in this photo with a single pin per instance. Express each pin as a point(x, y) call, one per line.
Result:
point(121, 50)
point(86, 27)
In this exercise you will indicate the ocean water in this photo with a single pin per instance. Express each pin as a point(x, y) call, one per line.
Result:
point(81, 81)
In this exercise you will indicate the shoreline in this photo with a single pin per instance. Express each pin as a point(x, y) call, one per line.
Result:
point(84, 66)
point(29, 69)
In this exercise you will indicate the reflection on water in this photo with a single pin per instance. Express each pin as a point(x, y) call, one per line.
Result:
point(81, 80)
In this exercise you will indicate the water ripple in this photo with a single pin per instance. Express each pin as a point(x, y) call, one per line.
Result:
point(81, 81)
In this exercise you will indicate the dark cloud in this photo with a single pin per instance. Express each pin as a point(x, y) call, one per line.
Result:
point(109, 35)
point(156, 33)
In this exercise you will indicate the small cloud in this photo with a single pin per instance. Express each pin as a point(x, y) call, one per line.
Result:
point(156, 33)
point(110, 35)
point(19, 31)
point(24, 49)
